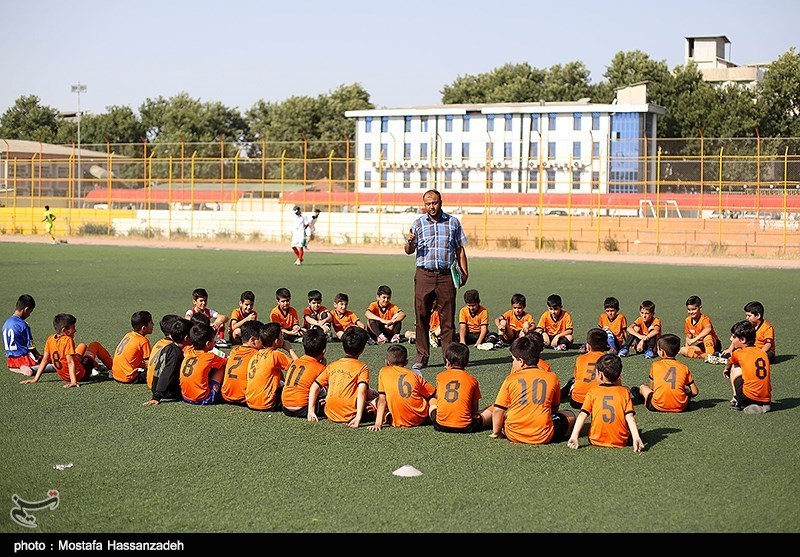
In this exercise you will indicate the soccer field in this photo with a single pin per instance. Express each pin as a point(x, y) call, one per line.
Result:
point(180, 468)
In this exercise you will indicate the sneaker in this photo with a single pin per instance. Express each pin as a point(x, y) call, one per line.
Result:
point(412, 341)
point(396, 338)
point(371, 342)
point(418, 367)
point(622, 353)
point(485, 346)
point(611, 350)
point(501, 344)
point(756, 409)
point(382, 339)
point(649, 354)
point(433, 340)
point(636, 395)
point(560, 347)
point(222, 343)
point(387, 420)
point(583, 349)
point(298, 262)
point(735, 404)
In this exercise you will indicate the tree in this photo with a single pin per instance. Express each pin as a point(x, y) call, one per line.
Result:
point(30, 120)
point(628, 68)
point(779, 97)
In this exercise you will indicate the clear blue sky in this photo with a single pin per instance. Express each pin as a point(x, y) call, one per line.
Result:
point(402, 52)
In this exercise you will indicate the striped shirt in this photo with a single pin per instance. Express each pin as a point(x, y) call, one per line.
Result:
point(436, 243)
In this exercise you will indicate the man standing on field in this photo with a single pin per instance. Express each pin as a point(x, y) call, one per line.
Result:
point(438, 240)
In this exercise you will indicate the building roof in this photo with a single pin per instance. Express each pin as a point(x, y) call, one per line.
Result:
point(19, 147)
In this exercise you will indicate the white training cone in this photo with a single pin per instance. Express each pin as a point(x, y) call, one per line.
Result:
point(407, 471)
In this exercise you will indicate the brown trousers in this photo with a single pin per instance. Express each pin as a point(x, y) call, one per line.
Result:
point(429, 287)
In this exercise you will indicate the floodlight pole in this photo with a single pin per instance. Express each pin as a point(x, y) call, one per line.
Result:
point(78, 88)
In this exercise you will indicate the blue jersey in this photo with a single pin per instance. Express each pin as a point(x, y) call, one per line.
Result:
point(17, 338)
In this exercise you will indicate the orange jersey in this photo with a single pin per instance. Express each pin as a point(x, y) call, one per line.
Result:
point(264, 376)
point(342, 379)
point(473, 322)
point(151, 361)
point(308, 312)
point(585, 375)
point(343, 322)
point(516, 323)
point(618, 326)
point(195, 370)
point(457, 396)
point(755, 372)
point(238, 315)
point(670, 378)
point(234, 383)
point(530, 396)
point(60, 347)
point(285, 320)
point(131, 353)
point(765, 333)
point(544, 366)
point(557, 327)
point(693, 328)
point(608, 405)
point(300, 376)
point(435, 321)
point(384, 313)
point(407, 395)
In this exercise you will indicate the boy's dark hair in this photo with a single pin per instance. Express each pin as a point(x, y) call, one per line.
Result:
point(62, 321)
point(179, 329)
point(341, 297)
point(526, 349)
point(554, 301)
point(670, 344)
point(384, 290)
point(283, 293)
point(247, 295)
point(200, 318)
point(611, 302)
point(397, 355)
point(597, 338)
point(537, 338)
point(610, 365)
point(519, 299)
point(745, 331)
point(269, 333)
point(199, 293)
point(756, 308)
point(314, 342)
point(47, 207)
point(648, 305)
point(314, 296)
point(457, 354)
point(472, 297)
point(354, 340)
point(200, 334)
point(25, 301)
point(140, 319)
point(250, 330)
point(166, 323)
point(694, 301)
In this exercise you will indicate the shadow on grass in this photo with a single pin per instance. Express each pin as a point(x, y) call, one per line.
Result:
point(706, 403)
point(653, 436)
point(784, 404)
point(784, 358)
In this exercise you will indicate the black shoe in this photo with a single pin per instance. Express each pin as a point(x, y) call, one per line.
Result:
point(636, 395)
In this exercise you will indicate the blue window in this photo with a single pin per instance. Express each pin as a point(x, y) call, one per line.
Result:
point(576, 179)
point(465, 179)
point(368, 151)
point(533, 179)
point(466, 122)
point(506, 179)
point(576, 121)
point(368, 124)
point(596, 149)
point(534, 151)
point(551, 121)
point(384, 178)
point(509, 121)
point(489, 149)
point(595, 180)
point(507, 150)
point(367, 178)
point(384, 123)
point(551, 150)
point(384, 151)
point(448, 123)
point(423, 124)
point(408, 124)
point(595, 120)
point(423, 177)
point(551, 179)
point(465, 150)
point(448, 150)
point(448, 179)
point(490, 122)
point(406, 151)
point(406, 179)
point(576, 149)
point(535, 122)
point(423, 151)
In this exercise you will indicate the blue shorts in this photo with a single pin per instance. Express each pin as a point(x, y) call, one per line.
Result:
point(212, 398)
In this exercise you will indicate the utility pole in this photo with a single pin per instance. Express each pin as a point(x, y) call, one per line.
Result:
point(78, 88)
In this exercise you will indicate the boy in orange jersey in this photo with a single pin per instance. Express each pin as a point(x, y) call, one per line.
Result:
point(245, 313)
point(265, 372)
point(749, 371)
point(555, 324)
point(342, 318)
point(234, 383)
point(458, 395)
point(519, 414)
point(513, 324)
point(217, 320)
point(537, 338)
point(133, 351)
point(611, 408)
point(671, 383)
point(614, 323)
point(301, 375)
point(584, 375)
point(286, 316)
point(384, 319)
point(644, 332)
point(349, 400)
point(765, 332)
point(473, 322)
point(701, 338)
point(434, 331)
point(166, 327)
point(317, 315)
point(201, 370)
point(72, 363)
point(405, 398)
point(167, 362)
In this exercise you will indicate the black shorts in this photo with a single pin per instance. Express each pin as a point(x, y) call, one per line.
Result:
point(475, 426)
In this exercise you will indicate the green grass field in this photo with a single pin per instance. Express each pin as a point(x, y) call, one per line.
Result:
point(181, 468)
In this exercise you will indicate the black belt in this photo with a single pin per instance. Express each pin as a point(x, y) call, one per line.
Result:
point(435, 271)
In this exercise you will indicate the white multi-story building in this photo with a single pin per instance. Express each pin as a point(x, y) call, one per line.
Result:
point(576, 147)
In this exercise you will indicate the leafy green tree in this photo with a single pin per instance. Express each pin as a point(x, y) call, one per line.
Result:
point(779, 97)
point(30, 120)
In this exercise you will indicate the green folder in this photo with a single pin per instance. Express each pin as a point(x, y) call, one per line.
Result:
point(457, 274)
